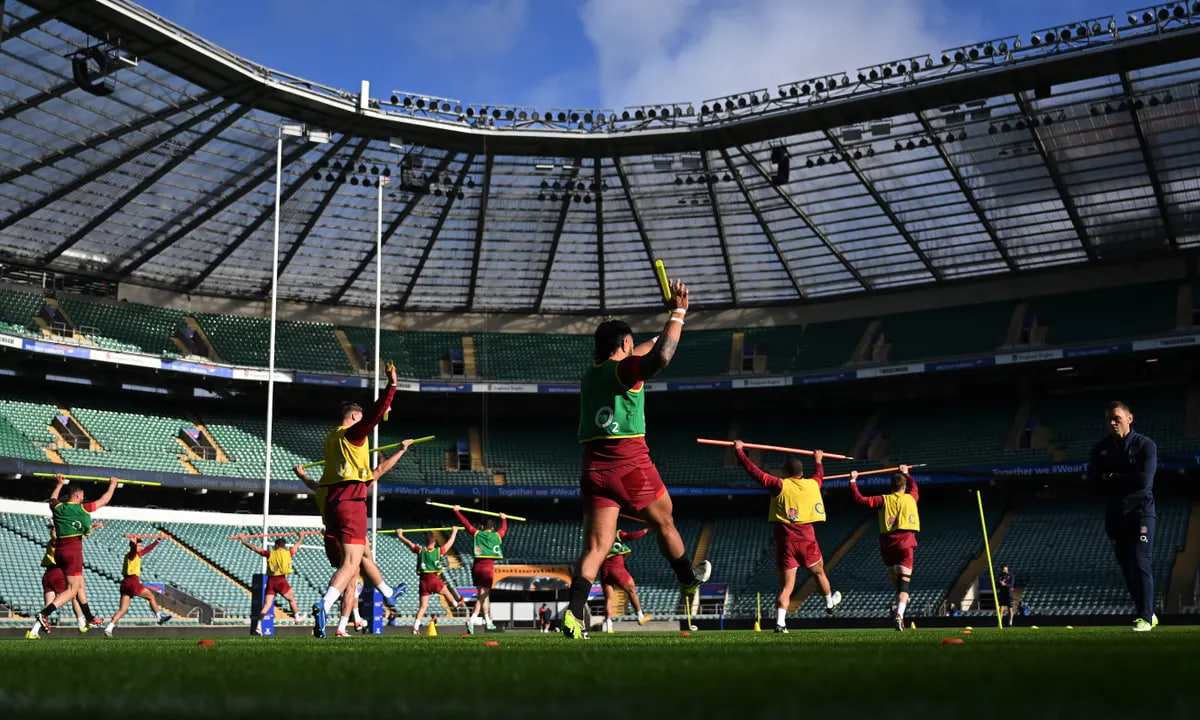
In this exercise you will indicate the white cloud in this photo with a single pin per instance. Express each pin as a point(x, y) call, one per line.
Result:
point(462, 29)
point(652, 51)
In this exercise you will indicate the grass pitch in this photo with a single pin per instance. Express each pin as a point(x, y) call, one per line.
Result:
point(1017, 673)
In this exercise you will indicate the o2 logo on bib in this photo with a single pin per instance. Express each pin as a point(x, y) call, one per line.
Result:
point(605, 419)
point(819, 508)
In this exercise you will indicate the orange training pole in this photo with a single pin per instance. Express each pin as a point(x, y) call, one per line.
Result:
point(871, 472)
point(635, 519)
point(776, 448)
point(145, 537)
point(261, 535)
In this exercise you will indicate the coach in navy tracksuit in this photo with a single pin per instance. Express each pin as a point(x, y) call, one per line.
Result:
point(1122, 466)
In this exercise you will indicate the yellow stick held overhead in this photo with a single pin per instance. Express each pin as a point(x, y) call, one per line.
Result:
point(988, 551)
point(381, 448)
point(661, 271)
point(97, 478)
point(408, 530)
point(473, 510)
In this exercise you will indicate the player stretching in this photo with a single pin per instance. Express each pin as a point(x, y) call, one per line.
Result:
point(131, 586)
point(617, 470)
point(487, 540)
point(55, 582)
point(613, 575)
point(333, 549)
point(347, 475)
point(899, 524)
point(429, 568)
point(279, 566)
point(72, 521)
point(795, 505)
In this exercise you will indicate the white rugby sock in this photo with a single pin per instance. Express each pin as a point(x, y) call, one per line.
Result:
point(331, 596)
point(780, 616)
point(356, 615)
point(900, 609)
point(384, 588)
point(641, 616)
point(829, 600)
point(342, 623)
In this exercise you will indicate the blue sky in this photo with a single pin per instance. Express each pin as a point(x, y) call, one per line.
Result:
point(599, 53)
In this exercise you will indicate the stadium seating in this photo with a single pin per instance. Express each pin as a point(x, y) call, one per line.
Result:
point(1078, 419)
point(14, 443)
point(953, 435)
point(245, 340)
point(523, 356)
point(947, 332)
point(133, 436)
point(141, 328)
point(17, 308)
point(778, 344)
point(30, 417)
point(949, 539)
point(415, 354)
point(1108, 313)
point(825, 346)
point(1063, 564)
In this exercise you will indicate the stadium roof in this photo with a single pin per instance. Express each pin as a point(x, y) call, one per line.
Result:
point(1077, 144)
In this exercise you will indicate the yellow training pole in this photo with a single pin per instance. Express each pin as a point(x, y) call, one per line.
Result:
point(381, 448)
point(97, 478)
point(661, 271)
point(758, 612)
point(518, 518)
point(988, 551)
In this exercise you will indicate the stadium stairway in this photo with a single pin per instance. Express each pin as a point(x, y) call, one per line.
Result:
point(194, 324)
point(979, 564)
point(1181, 591)
point(809, 586)
point(173, 537)
point(221, 454)
point(343, 341)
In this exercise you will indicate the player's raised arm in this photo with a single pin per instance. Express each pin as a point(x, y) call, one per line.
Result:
point(148, 548)
point(873, 502)
point(59, 481)
point(770, 482)
point(471, 529)
point(450, 543)
point(255, 548)
point(106, 498)
point(663, 350)
point(304, 478)
point(408, 543)
point(358, 432)
point(389, 462)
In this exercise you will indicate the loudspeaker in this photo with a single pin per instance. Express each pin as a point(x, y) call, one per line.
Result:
point(85, 78)
point(783, 165)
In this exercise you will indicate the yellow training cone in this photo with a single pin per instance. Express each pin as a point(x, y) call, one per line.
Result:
point(757, 628)
point(432, 631)
point(912, 625)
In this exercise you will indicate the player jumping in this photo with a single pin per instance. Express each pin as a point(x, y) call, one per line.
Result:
point(131, 586)
point(617, 470)
point(429, 568)
point(899, 524)
point(54, 581)
point(614, 575)
point(795, 505)
point(488, 540)
point(368, 571)
point(347, 475)
point(279, 566)
point(72, 521)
